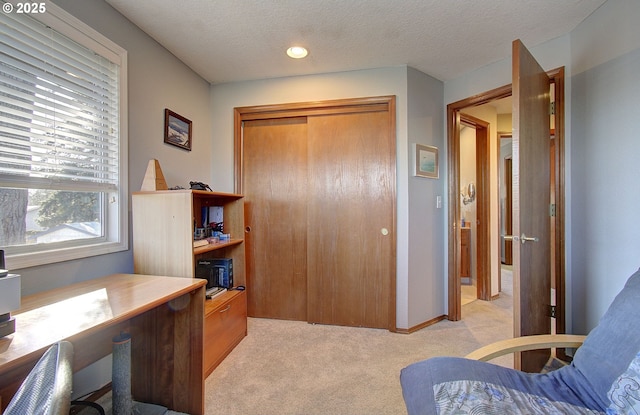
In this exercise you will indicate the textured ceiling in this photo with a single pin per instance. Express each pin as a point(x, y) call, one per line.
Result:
point(237, 40)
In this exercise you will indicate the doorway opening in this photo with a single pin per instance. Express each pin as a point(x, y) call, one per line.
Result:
point(505, 166)
point(455, 116)
point(475, 272)
point(505, 190)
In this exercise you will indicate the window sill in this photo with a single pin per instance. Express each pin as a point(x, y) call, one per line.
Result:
point(26, 260)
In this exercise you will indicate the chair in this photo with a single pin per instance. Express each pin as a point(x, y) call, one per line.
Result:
point(47, 388)
point(604, 376)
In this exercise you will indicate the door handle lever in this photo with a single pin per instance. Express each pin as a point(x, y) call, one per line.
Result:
point(522, 238)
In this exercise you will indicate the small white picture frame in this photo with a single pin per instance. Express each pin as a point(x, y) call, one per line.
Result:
point(426, 161)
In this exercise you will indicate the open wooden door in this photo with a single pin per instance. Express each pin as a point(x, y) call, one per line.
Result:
point(531, 223)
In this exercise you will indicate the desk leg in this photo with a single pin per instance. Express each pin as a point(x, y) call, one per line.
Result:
point(167, 355)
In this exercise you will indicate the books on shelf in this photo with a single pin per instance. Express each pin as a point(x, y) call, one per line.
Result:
point(200, 242)
point(224, 272)
point(214, 292)
point(212, 215)
point(222, 239)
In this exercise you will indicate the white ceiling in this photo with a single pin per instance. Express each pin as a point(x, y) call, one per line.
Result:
point(238, 40)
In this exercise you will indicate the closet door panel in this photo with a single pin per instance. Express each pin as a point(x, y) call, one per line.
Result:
point(351, 225)
point(275, 186)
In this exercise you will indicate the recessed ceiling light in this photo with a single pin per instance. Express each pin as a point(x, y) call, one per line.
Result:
point(297, 52)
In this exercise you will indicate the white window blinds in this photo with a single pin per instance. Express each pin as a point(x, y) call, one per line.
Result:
point(58, 110)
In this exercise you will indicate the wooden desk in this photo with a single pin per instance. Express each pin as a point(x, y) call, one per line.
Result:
point(164, 316)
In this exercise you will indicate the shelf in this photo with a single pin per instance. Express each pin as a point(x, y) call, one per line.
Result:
point(212, 247)
point(217, 194)
point(192, 192)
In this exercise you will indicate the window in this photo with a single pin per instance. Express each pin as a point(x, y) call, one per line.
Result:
point(63, 141)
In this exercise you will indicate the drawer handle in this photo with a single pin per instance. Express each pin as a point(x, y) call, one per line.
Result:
point(226, 308)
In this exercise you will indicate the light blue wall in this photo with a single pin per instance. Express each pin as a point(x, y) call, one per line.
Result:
point(426, 285)
point(605, 158)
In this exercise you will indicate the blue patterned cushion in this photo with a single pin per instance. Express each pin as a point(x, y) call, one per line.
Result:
point(625, 391)
point(464, 397)
point(611, 347)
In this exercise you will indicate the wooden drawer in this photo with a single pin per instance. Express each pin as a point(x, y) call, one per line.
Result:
point(225, 325)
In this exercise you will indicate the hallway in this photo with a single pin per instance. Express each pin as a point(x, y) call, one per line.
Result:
point(469, 291)
point(489, 321)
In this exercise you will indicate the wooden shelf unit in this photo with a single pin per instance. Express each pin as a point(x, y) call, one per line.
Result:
point(163, 229)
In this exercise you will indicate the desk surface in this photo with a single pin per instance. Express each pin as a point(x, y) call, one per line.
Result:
point(85, 308)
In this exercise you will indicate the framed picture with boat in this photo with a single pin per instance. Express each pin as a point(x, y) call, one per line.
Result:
point(177, 130)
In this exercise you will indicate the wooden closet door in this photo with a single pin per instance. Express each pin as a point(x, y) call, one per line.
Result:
point(275, 187)
point(351, 219)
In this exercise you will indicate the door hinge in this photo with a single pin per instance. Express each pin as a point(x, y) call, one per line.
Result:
point(552, 108)
point(552, 210)
point(552, 311)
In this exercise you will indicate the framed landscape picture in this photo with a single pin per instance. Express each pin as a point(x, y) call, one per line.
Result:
point(177, 130)
point(426, 161)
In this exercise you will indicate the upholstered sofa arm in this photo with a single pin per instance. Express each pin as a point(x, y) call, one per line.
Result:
point(521, 344)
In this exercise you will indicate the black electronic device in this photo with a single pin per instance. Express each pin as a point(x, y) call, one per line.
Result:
point(199, 186)
point(204, 270)
point(217, 271)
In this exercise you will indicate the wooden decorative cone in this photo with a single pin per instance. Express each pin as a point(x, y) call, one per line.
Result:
point(153, 178)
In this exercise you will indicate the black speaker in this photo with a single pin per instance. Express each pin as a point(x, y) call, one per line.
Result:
point(217, 271)
point(205, 270)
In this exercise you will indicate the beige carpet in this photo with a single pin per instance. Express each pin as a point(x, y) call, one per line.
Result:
point(289, 367)
point(468, 293)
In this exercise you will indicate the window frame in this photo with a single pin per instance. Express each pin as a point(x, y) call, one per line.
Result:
point(116, 206)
